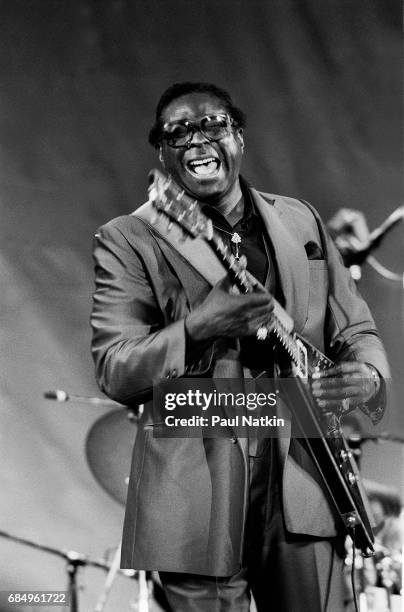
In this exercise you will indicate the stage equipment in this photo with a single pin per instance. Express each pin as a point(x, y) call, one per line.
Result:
point(109, 445)
point(380, 577)
point(62, 396)
point(74, 560)
point(109, 442)
point(358, 256)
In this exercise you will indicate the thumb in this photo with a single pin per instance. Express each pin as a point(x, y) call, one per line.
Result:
point(227, 284)
point(224, 284)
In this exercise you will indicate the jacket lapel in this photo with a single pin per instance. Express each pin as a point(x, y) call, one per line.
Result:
point(194, 250)
point(290, 255)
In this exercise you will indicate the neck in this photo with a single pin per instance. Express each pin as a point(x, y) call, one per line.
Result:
point(231, 205)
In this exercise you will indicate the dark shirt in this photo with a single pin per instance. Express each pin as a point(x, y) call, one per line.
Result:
point(256, 246)
point(249, 228)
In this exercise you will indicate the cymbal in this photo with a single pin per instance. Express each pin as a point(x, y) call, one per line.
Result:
point(109, 445)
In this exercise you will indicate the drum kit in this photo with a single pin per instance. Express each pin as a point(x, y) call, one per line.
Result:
point(108, 450)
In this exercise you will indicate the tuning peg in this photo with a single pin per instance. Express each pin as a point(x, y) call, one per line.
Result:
point(209, 229)
point(152, 193)
point(154, 217)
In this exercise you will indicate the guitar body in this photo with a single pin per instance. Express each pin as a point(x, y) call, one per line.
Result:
point(298, 359)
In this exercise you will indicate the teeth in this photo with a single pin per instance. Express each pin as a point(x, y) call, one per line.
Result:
point(206, 166)
point(199, 162)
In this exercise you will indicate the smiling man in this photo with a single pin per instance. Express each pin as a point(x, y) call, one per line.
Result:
point(220, 518)
point(206, 166)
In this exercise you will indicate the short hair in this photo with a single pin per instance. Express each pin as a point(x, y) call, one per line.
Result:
point(177, 90)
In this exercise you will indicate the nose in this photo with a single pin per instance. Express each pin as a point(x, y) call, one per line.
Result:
point(197, 137)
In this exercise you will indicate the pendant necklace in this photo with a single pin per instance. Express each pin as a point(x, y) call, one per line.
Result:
point(235, 239)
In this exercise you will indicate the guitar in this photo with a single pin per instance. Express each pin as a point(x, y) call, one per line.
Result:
point(322, 431)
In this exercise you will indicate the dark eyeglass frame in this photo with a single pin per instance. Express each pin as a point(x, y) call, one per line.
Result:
point(195, 126)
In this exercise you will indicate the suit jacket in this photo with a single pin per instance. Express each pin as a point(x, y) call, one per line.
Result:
point(187, 498)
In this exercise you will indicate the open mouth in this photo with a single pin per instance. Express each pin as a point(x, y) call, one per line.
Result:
point(203, 167)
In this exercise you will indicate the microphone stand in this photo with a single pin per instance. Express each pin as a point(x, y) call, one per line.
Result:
point(59, 395)
point(74, 560)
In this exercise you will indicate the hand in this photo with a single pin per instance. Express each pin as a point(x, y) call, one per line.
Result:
point(349, 228)
point(224, 313)
point(351, 380)
point(351, 234)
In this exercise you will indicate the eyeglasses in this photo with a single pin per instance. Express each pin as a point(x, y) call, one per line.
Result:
point(180, 133)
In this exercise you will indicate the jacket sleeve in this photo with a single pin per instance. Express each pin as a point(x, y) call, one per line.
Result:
point(133, 346)
point(350, 331)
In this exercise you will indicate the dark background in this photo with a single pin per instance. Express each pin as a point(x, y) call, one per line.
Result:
point(321, 84)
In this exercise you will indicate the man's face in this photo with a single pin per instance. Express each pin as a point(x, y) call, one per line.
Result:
point(216, 175)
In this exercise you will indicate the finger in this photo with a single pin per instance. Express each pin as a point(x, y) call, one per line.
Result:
point(225, 284)
point(332, 405)
point(345, 367)
point(338, 383)
point(242, 262)
point(257, 299)
point(259, 316)
point(234, 290)
point(339, 394)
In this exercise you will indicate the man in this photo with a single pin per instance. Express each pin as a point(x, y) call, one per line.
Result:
point(218, 517)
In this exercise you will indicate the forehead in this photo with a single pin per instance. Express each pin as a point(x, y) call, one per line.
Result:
point(193, 106)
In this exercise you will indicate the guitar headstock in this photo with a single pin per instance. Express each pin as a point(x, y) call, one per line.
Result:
point(171, 201)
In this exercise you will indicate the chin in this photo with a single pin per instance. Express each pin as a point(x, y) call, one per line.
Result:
point(203, 187)
point(204, 191)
